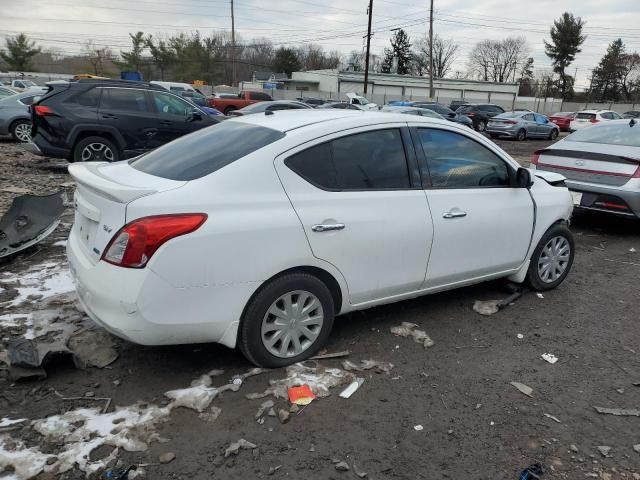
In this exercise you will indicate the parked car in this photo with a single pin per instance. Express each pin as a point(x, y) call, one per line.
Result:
point(269, 106)
point(521, 125)
point(225, 95)
point(176, 87)
point(201, 101)
point(400, 103)
point(587, 118)
point(15, 119)
point(631, 114)
point(7, 92)
point(314, 102)
point(339, 105)
point(22, 85)
point(360, 102)
point(480, 114)
point(294, 218)
point(562, 120)
point(420, 112)
point(455, 104)
point(446, 113)
point(109, 120)
point(241, 100)
point(601, 165)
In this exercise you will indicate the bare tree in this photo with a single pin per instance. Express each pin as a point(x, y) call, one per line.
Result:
point(97, 57)
point(444, 54)
point(498, 61)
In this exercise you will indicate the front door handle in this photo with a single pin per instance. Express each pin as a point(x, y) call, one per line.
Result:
point(454, 213)
point(327, 227)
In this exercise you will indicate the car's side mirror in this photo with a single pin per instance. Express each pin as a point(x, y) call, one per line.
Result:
point(195, 116)
point(523, 178)
point(451, 114)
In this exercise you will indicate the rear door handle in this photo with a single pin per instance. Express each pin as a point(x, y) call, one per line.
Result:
point(166, 123)
point(327, 227)
point(109, 115)
point(454, 213)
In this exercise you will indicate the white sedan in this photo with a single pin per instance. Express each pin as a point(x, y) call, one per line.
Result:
point(258, 231)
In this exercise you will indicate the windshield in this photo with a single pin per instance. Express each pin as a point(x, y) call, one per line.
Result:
point(205, 151)
point(618, 133)
point(29, 83)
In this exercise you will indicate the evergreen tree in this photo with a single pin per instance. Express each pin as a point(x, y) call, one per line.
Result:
point(607, 77)
point(133, 59)
point(400, 51)
point(566, 40)
point(286, 60)
point(20, 51)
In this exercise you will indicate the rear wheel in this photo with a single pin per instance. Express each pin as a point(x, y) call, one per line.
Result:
point(521, 135)
point(287, 321)
point(95, 149)
point(21, 131)
point(228, 110)
point(482, 126)
point(552, 259)
point(553, 135)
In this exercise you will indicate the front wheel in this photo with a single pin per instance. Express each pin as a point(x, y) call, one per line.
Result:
point(552, 259)
point(482, 126)
point(521, 135)
point(287, 321)
point(95, 149)
point(553, 135)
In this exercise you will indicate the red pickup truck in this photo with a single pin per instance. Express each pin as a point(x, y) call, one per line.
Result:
point(226, 104)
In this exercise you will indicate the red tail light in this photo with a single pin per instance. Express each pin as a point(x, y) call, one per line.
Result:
point(510, 122)
point(136, 242)
point(536, 157)
point(43, 110)
point(594, 120)
point(636, 174)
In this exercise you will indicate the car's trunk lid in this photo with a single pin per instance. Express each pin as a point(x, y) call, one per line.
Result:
point(590, 162)
point(103, 192)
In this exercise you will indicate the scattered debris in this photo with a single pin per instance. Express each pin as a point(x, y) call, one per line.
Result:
point(620, 261)
point(488, 307)
point(604, 450)
point(273, 470)
point(119, 473)
point(620, 391)
point(264, 407)
point(235, 447)
point(418, 428)
point(380, 367)
point(93, 348)
point(573, 448)
point(167, 457)
point(283, 415)
point(621, 412)
point(549, 357)
point(520, 336)
point(539, 295)
point(555, 419)
point(212, 415)
point(29, 220)
point(197, 398)
point(408, 329)
point(523, 388)
point(359, 472)
point(532, 472)
point(352, 388)
point(342, 466)
point(637, 448)
point(632, 250)
point(301, 395)
point(325, 356)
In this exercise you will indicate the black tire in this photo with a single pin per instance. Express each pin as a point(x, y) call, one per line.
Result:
point(98, 145)
point(250, 331)
point(553, 134)
point(521, 135)
point(493, 135)
point(481, 126)
point(17, 131)
point(534, 279)
point(228, 110)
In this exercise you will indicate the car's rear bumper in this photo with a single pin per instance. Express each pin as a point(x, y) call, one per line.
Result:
point(45, 148)
point(605, 198)
point(506, 132)
point(140, 306)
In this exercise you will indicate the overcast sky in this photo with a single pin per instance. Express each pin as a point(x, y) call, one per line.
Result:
point(335, 24)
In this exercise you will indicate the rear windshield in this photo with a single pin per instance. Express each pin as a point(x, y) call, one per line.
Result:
point(585, 116)
point(205, 151)
point(618, 133)
point(563, 114)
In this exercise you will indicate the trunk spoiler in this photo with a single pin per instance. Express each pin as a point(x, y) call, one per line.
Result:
point(88, 175)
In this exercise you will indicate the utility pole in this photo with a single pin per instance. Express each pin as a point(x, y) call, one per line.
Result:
point(233, 47)
point(431, 92)
point(366, 59)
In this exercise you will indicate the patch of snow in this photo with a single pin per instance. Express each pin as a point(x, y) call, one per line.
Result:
point(199, 396)
point(45, 280)
point(6, 422)
point(26, 462)
point(59, 243)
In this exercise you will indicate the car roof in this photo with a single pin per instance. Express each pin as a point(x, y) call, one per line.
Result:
point(594, 111)
point(286, 120)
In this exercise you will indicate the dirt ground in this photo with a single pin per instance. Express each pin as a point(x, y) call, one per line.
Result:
point(474, 423)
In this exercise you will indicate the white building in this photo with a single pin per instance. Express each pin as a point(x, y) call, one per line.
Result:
point(385, 87)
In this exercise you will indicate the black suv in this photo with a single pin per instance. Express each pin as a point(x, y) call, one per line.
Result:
point(110, 120)
point(480, 113)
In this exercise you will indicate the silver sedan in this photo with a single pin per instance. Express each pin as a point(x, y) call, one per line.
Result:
point(521, 125)
point(15, 119)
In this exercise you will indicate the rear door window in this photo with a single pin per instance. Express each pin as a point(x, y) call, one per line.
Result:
point(28, 100)
point(205, 151)
point(89, 98)
point(259, 96)
point(456, 161)
point(123, 100)
point(529, 117)
point(373, 160)
point(168, 105)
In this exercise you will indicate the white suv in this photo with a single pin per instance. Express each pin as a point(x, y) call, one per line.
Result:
point(586, 118)
point(256, 232)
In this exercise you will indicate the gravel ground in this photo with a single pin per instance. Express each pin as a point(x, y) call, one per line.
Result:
point(474, 423)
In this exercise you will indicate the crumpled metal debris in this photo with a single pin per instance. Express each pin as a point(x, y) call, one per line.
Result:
point(235, 447)
point(489, 307)
point(523, 388)
point(379, 367)
point(408, 329)
point(29, 220)
point(93, 348)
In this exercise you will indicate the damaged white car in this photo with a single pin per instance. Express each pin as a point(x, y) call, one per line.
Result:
point(257, 232)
